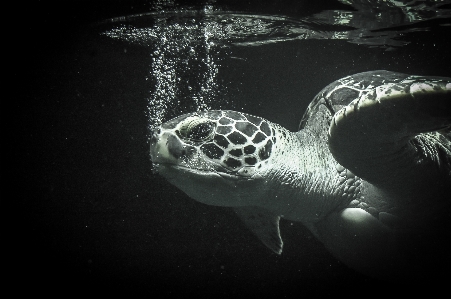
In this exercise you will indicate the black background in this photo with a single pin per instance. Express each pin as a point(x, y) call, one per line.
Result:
point(88, 215)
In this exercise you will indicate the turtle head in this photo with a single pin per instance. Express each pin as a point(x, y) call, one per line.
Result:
point(208, 155)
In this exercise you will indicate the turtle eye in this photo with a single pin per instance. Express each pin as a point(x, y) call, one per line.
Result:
point(198, 130)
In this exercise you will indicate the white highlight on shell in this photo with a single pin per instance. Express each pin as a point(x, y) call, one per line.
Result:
point(421, 87)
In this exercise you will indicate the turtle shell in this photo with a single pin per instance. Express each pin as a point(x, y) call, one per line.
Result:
point(342, 92)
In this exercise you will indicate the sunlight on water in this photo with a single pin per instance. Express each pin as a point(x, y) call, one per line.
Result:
point(186, 47)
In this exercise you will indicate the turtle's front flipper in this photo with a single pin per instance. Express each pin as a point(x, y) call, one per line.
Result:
point(396, 133)
point(263, 224)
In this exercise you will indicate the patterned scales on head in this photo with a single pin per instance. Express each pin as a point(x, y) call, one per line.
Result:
point(231, 141)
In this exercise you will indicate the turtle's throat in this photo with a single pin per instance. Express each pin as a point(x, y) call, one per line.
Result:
point(303, 178)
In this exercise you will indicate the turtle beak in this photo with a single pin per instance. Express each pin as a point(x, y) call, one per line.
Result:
point(159, 150)
point(154, 136)
point(154, 145)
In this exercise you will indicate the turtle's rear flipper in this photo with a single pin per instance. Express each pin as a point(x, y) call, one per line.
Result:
point(394, 135)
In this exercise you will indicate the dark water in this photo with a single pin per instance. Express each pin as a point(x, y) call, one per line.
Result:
point(90, 216)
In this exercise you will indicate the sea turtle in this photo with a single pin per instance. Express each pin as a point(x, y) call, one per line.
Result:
point(368, 173)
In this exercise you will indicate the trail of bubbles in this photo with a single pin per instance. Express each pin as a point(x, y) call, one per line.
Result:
point(184, 66)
